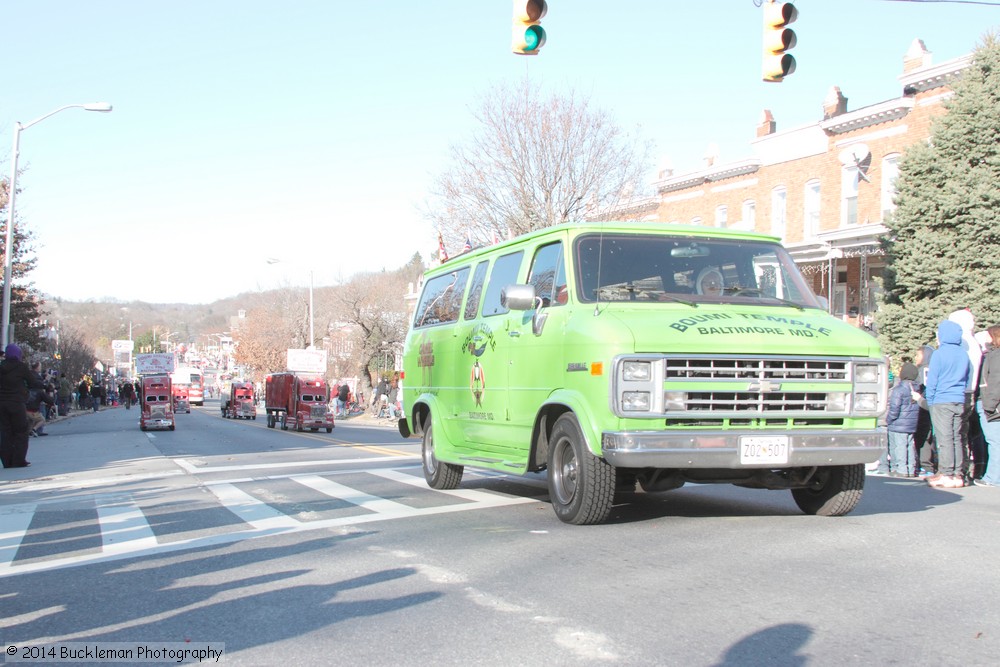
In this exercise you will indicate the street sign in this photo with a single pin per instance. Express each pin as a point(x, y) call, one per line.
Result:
point(307, 361)
point(151, 364)
point(122, 345)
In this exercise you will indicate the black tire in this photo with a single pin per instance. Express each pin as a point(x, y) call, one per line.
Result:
point(142, 428)
point(171, 427)
point(329, 429)
point(581, 485)
point(284, 423)
point(314, 428)
point(440, 476)
point(834, 491)
point(254, 418)
point(270, 420)
point(298, 427)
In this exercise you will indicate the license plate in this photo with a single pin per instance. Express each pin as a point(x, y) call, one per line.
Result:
point(764, 449)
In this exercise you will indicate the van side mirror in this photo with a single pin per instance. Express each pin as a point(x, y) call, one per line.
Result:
point(518, 297)
point(522, 297)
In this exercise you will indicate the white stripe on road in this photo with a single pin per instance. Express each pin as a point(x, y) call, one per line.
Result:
point(123, 525)
point(479, 497)
point(201, 470)
point(14, 520)
point(374, 503)
point(255, 512)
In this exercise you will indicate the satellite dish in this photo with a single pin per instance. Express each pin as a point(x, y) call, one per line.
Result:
point(854, 155)
point(858, 156)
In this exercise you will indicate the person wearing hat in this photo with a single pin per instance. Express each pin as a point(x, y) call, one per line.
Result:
point(901, 420)
point(15, 381)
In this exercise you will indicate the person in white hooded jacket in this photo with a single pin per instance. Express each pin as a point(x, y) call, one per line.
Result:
point(970, 345)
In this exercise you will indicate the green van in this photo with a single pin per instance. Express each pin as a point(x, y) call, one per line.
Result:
point(617, 354)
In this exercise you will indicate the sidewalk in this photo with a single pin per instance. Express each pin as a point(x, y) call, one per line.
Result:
point(82, 443)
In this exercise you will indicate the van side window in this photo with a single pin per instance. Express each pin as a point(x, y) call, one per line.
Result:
point(548, 274)
point(441, 301)
point(476, 291)
point(504, 273)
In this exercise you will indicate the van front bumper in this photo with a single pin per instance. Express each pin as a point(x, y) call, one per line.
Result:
point(721, 449)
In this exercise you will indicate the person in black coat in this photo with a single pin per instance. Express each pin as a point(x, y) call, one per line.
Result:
point(901, 420)
point(15, 381)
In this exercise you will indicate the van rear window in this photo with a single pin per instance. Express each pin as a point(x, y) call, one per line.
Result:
point(441, 301)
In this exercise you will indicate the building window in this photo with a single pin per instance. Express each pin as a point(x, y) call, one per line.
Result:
point(810, 210)
point(849, 196)
point(779, 218)
point(721, 214)
point(890, 171)
point(749, 215)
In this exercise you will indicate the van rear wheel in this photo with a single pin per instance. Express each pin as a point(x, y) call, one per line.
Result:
point(581, 485)
point(833, 491)
point(440, 476)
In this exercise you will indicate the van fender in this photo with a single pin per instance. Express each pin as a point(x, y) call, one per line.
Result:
point(558, 403)
point(428, 407)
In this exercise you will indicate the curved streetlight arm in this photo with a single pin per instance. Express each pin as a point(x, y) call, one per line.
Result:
point(102, 107)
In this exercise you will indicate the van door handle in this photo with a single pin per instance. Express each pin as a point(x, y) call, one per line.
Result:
point(514, 334)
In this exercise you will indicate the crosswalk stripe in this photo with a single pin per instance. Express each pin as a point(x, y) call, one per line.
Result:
point(479, 497)
point(123, 525)
point(15, 520)
point(353, 496)
point(253, 511)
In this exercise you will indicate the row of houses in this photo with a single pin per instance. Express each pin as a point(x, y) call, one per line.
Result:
point(825, 188)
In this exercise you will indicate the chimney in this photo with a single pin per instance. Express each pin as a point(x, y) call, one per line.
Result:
point(834, 104)
point(917, 57)
point(767, 125)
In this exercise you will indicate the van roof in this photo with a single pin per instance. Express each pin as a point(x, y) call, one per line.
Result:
point(578, 228)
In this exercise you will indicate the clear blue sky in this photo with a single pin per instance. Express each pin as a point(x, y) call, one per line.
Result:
point(309, 131)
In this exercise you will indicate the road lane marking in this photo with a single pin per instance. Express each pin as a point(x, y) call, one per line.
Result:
point(201, 470)
point(255, 512)
point(14, 522)
point(123, 525)
point(263, 519)
point(373, 503)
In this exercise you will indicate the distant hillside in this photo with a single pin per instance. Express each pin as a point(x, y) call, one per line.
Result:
point(106, 320)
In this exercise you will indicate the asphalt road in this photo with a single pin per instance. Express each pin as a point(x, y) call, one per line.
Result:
point(318, 548)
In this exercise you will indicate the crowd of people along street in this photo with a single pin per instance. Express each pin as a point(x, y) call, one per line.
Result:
point(944, 409)
point(943, 417)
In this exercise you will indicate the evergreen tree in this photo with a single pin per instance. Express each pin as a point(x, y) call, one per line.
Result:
point(943, 238)
point(25, 301)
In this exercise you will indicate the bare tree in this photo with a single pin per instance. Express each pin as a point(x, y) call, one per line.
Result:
point(76, 357)
point(534, 161)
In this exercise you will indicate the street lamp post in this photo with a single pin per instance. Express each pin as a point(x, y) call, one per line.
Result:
point(103, 107)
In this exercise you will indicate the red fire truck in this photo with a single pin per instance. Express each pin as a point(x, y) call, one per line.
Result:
point(297, 400)
point(239, 402)
point(182, 400)
point(156, 399)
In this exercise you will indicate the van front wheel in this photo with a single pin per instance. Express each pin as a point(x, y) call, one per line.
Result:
point(440, 476)
point(581, 485)
point(833, 490)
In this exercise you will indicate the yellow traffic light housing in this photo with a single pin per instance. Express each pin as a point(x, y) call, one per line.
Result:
point(527, 36)
point(778, 40)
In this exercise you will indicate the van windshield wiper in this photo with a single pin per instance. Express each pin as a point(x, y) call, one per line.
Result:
point(752, 291)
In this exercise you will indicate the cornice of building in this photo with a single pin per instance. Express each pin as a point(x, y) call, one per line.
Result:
point(882, 112)
point(708, 175)
point(935, 76)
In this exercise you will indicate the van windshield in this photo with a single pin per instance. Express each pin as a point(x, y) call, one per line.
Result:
point(654, 267)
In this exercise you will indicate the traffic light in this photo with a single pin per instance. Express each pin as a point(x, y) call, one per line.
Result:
point(778, 39)
point(527, 36)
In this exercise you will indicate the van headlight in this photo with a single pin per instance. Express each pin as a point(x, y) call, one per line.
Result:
point(635, 401)
point(674, 401)
point(637, 371)
point(866, 402)
point(866, 373)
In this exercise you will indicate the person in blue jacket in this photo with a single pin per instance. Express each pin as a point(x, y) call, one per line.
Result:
point(947, 379)
point(901, 420)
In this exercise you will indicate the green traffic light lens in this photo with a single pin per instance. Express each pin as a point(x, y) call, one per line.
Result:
point(534, 37)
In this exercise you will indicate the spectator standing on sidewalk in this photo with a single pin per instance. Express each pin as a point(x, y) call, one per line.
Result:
point(95, 396)
point(923, 439)
point(989, 408)
point(947, 379)
point(901, 420)
point(65, 395)
point(15, 380)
